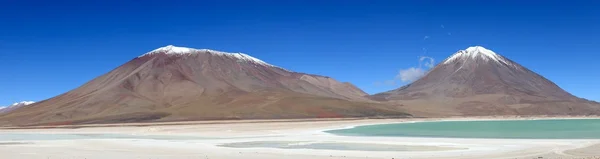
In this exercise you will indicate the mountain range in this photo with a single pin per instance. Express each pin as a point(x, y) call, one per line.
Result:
point(181, 84)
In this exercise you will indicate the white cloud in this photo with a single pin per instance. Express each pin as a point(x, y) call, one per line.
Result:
point(428, 62)
point(426, 37)
point(410, 74)
point(414, 73)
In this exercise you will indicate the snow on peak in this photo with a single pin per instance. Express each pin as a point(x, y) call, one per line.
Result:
point(14, 106)
point(170, 49)
point(23, 103)
point(474, 52)
point(18, 104)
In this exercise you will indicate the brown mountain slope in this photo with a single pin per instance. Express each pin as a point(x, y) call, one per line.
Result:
point(477, 81)
point(175, 83)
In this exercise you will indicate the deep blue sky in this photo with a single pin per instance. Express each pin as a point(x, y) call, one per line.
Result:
point(50, 47)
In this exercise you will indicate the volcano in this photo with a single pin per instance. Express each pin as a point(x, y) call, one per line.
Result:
point(478, 81)
point(181, 84)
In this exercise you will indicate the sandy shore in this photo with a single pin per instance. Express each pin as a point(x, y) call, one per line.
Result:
point(208, 138)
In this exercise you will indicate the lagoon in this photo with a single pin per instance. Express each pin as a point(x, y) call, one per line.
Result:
point(502, 129)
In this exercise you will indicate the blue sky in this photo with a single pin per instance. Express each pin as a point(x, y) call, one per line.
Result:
point(48, 48)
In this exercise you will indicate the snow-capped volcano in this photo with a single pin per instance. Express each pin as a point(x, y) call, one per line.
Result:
point(475, 52)
point(478, 54)
point(478, 81)
point(177, 83)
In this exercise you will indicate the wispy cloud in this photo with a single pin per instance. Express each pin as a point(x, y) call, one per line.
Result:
point(412, 73)
point(428, 62)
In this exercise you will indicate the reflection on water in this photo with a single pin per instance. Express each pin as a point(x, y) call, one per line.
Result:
point(333, 146)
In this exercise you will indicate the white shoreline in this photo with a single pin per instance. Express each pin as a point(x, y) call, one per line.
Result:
point(284, 131)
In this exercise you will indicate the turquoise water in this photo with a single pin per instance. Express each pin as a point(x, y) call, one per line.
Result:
point(512, 129)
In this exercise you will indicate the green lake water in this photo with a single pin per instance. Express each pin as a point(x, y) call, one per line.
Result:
point(512, 129)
